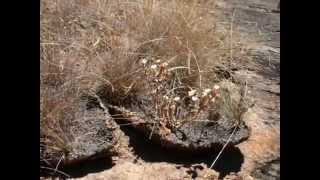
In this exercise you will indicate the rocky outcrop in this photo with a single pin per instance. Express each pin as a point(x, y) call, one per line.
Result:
point(259, 23)
point(210, 130)
point(92, 134)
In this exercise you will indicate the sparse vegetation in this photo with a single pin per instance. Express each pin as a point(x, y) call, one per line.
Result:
point(164, 50)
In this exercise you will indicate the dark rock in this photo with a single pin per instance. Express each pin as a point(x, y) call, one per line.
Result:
point(210, 130)
point(94, 140)
point(91, 135)
point(206, 135)
point(195, 136)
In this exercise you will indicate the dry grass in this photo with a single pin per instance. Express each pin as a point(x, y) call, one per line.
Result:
point(92, 43)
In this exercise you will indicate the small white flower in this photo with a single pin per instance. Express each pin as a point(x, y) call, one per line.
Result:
point(206, 92)
point(192, 92)
point(158, 61)
point(144, 61)
point(195, 98)
point(153, 66)
point(165, 64)
point(166, 97)
point(176, 99)
point(216, 87)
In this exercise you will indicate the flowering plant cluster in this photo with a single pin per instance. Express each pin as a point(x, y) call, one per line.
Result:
point(175, 105)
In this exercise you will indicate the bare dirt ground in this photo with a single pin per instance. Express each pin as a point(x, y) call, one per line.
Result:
point(260, 29)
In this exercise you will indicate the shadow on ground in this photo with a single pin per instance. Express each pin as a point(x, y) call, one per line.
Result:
point(82, 169)
point(229, 161)
point(92, 166)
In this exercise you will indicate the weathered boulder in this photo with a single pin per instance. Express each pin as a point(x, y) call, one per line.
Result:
point(209, 130)
point(90, 134)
